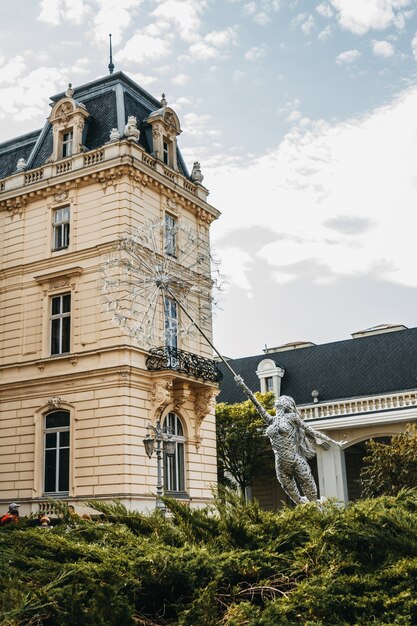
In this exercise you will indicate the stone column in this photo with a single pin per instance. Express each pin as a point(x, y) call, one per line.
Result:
point(332, 473)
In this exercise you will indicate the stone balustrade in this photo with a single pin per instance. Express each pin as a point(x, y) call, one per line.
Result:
point(362, 405)
point(93, 158)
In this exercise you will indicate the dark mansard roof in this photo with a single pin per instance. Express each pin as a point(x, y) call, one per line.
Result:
point(109, 101)
point(363, 366)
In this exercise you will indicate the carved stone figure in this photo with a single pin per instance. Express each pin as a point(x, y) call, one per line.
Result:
point(21, 165)
point(115, 134)
point(293, 441)
point(196, 175)
point(131, 129)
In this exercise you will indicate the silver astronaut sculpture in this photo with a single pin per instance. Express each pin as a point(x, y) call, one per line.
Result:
point(293, 442)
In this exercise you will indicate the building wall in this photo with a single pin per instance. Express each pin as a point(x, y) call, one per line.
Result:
point(103, 381)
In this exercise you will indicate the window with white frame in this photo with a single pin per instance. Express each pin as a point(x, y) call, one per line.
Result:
point(270, 376)
point(174, 466)
point(67, 143)
point(171, 224)
point(165, 152)
point(61, 228)
point(171, 323)
point(60, 323)
point(56, 452)
point(269, 383)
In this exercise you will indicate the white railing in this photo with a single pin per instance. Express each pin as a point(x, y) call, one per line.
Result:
point(91, 158)
point(34, 176)
point(79, 161)
point(360, 405)
point(61, 168)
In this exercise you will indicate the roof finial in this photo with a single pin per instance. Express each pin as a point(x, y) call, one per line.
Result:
point(111, 64)
point(163, 100)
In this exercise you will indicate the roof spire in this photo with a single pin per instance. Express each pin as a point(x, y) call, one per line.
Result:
point(111, 64)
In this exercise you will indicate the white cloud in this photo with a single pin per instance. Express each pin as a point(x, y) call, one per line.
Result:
point(222, 38)
point(12, 70)
point(294, 116)
point(113, 17)
point(255, 53)
point(199, 126)
point(141, 48)
point(347, 57)
point(414, 46)
point(262, 18)
point(180, 79)
point(335, 196)
point(325, 33)
point(309, 25)
point(383, 49)
point(214, 44)
point(324, 9)
point(184, 14)
point(53, 12)
point(27, 97)
point(360, 16)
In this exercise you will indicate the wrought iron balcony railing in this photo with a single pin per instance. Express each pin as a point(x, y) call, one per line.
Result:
point(167, 358)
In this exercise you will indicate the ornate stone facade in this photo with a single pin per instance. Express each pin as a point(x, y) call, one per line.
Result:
point(61, 217)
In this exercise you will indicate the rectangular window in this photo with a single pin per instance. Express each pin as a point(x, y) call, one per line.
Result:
point(269, 384)
point(57, 447)
point(170, 235)
point(61, 228)
point(165, 152)
point(171, 323)
point(67, 139)
point(60, 324)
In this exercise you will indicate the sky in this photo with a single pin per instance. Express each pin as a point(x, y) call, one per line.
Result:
point(303, 115)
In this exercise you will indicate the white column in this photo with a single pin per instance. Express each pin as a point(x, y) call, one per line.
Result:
point(332, 473)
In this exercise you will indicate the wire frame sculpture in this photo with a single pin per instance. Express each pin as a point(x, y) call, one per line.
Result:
point(151, 267)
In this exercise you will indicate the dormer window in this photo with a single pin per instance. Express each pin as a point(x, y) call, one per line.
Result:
point(270, 375)
point(68, 119)
point(67, 143)
point(165, 130)
point(165, 152)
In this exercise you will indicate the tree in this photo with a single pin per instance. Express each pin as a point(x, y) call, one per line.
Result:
point(389, 467)
point(243, 451)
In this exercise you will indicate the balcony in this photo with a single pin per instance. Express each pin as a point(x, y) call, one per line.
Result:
point(167, 358)
point(109, 155)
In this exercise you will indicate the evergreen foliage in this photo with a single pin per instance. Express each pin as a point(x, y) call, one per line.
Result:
point(243, 450)
point(231, 564)
point(390, 467)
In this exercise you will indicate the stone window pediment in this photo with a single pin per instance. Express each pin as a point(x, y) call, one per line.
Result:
point(68, 119)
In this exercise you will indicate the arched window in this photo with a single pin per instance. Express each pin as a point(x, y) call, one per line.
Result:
point(174, 466)
point(56, 452)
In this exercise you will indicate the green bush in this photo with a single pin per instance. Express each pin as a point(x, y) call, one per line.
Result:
point(232, 564)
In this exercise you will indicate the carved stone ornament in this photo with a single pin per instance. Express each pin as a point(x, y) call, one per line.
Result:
point(54, 402)
point(114, 134)
point(110, 177)
point(15, 206)
point(21, 165)
point(203, 405)
point(205, 402)
point(64, 112)
point(161, 392)
point(196, 175)
point(61, 196)
point(131, 129)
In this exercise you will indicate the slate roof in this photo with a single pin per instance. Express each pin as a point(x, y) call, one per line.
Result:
point(109, 101)
point(358, 367)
